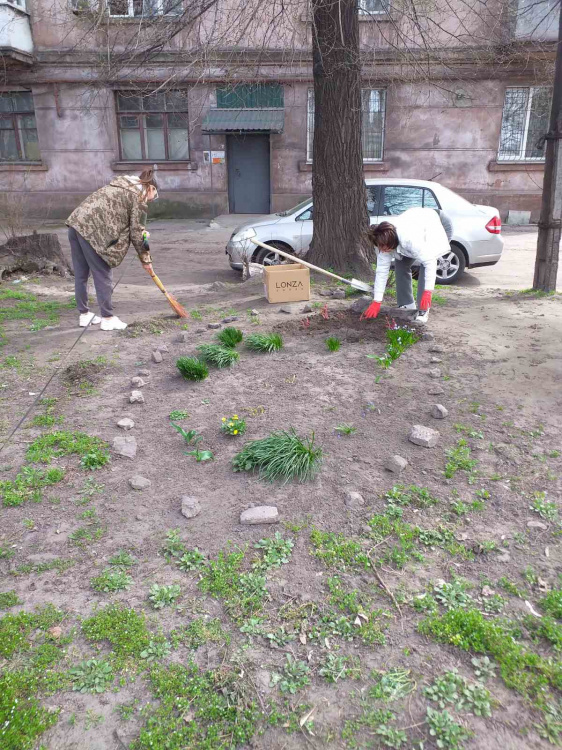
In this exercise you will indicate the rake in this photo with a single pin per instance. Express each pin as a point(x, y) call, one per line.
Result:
point(355, 283)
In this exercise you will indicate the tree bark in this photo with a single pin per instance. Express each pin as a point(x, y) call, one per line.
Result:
point(550, 224)
point(338, 187)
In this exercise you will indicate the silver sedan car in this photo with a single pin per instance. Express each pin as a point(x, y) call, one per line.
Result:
point(476, 239)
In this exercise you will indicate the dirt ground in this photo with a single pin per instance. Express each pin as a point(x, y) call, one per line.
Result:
point(500, 374)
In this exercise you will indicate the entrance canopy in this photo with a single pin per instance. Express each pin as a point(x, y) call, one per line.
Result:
point(244, 120)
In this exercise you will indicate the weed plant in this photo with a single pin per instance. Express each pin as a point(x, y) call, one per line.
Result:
point(111, 580)
point(163, 596)
point(178, 414)
point(233, 425)
point(294, 676)
point(28, 485)
point(282, 455)
point(192, 368)
point(399, 339)
point(230, 337)
point(346, 429)
point(333, 344)
point(124, 628)
point(217, 355)
point(275, 550)
point(264, 342)
point(156, 650)
point(62, 443)
point(92, 676)
point(335, 667)
point(9, 599)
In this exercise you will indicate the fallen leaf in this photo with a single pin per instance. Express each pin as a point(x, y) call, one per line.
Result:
point(302, 638)
point(543, 585)
point(306, 717)
point(55, 632)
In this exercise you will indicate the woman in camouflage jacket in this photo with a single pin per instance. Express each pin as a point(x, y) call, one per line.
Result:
point(100, 231)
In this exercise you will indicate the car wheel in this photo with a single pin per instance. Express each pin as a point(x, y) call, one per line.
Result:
point(450, 267)
point(269, 258)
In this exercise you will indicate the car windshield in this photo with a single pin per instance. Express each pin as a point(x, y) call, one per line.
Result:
point(298, 207)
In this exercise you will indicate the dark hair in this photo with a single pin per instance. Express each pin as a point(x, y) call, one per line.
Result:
point(147, 178)
point(383, 234)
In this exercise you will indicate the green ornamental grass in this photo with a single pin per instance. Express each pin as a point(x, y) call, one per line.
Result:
point(333, 344)
point(217, 355)
point(264, 342)
point(230, 337)
point(192, 368)
point(282, 455)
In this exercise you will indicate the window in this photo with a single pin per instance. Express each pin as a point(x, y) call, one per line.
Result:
point(251, 96)
point(372, 7)
point(373, 104)
point(144, 8)
point(306, 215)
point(154, 127)
point(18, 130)
point(526, 113)
point(399, 198)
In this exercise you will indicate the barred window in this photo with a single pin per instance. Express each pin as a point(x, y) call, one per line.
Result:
point(154, 127)
point(526, 113)
point(373, 107)
point(144, 8)
point(18, 129)
point(373, 7)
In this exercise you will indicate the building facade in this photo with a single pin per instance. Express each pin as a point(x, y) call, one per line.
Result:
point(230, 124)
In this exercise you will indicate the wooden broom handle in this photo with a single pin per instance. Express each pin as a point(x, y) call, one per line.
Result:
point(299, 260)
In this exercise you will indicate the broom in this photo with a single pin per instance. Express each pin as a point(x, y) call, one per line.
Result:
point(177, 308)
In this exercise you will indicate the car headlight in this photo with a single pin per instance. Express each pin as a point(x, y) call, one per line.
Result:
point(244, 234)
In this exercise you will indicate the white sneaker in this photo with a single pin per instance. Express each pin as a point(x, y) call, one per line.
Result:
point(112, 324)
point(89, 319)
point(422, 317)
point(411, 306)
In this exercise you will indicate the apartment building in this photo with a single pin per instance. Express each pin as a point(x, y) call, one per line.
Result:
point(91, 89)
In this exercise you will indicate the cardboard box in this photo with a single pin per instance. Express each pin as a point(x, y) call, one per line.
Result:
point(286, 283)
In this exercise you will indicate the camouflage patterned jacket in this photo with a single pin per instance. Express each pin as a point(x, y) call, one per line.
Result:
point(111, 218)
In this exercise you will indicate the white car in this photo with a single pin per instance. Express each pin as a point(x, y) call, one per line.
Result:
point(476, 239)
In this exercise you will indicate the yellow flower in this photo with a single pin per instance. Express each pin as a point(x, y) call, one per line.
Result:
point(236, 432)
point(231, 424)
point(235, 416)
point(224, 419)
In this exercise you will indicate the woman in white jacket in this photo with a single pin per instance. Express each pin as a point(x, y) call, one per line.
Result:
point(419, 234)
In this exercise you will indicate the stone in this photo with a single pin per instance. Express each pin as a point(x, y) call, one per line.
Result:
point(325, 292)
point(354, 500)
point(436, 349)
point(183, 337)
point(537, 525)
point(260, 514)
point(286, 310)
point(137, 382)
point(214, 326)
point(435, 361)
point(201, 330)
point(360, 305)
point(396, 464)
point(139, 483)
point(126, 423)
point(424, 436)
point(144, 373)
point(307, 309)
point(254, 312)
point(136, 397)
point(163, 349)
point(125, 446)
point(503, 557)
point(230, 319)
point(190, 506)
point(438, 411)
point(434, 373)
point(436, 390)
point(427, 336)
point(55, 632)
point(338, 294)
point(157, 356)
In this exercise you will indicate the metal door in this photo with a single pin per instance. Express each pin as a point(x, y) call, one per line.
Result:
point(248, 173)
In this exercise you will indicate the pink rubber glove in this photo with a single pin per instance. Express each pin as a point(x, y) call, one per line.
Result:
point(372, 311)
point(425, 303)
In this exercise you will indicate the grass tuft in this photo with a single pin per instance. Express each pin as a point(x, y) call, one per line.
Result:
point(230, 337)
point(282, 455)
point(333, 344)
point(264, 342)
point(217, 355)
point(92, 450)
point(192, 368)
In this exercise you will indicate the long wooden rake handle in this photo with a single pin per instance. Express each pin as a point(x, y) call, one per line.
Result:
point(356, 283)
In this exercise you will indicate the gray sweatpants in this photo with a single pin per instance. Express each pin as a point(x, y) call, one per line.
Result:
point(85, 260)
point(403, 273)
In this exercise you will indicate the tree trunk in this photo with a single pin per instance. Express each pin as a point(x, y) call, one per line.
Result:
point(550, 224)
point(34, 253)
point(338, 187)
